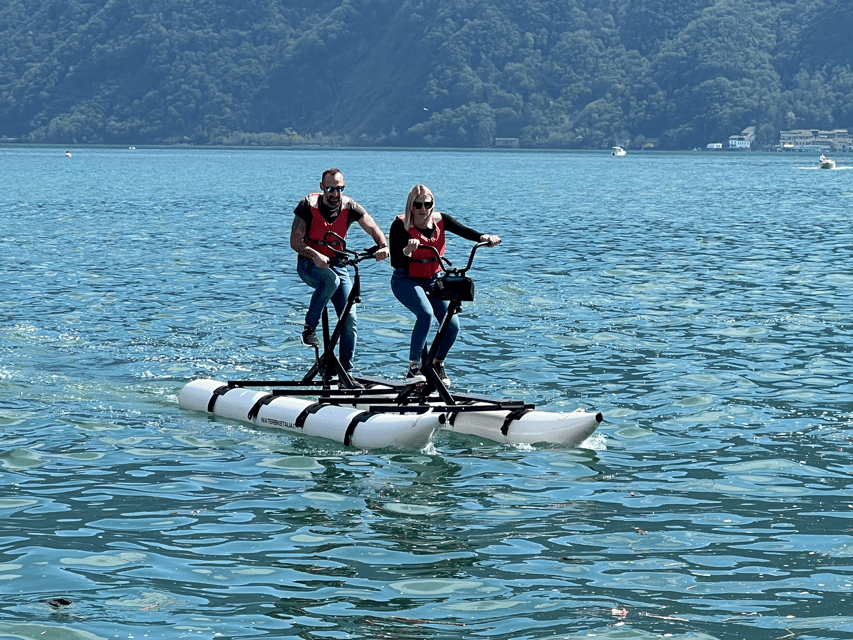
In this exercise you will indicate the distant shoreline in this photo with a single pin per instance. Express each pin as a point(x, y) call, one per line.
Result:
point(317, 147)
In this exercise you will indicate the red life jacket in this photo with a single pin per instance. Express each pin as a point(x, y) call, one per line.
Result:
point(319, 227)
point(424, 264)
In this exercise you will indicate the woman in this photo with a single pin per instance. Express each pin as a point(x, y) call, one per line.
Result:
point(416, 268)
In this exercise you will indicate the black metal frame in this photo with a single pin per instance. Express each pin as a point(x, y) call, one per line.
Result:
point(327, 363)
point(379, 394)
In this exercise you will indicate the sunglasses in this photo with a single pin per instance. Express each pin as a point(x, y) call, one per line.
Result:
point(422, 205)
point(331, 189)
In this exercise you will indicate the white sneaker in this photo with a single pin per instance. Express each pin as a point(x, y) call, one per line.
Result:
point(414, 375)
point(438, 367)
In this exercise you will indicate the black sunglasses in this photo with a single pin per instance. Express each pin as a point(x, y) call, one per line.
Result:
point(422, 205)
point(330, 189)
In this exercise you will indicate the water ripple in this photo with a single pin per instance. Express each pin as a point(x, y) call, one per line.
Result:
point(713, 332)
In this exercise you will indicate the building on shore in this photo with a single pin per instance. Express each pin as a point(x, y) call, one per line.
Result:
point(744, 140)
point(506, 143)
point(815, 140)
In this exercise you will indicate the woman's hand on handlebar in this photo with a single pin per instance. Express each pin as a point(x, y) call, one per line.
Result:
point(410, 248)
point(491, 240)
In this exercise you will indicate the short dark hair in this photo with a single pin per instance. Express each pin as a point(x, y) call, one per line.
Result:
point(331, 171)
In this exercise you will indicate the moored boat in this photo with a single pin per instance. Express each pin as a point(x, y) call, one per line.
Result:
point(618, 151)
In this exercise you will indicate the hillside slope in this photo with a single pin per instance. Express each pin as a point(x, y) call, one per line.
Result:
point(553, 73)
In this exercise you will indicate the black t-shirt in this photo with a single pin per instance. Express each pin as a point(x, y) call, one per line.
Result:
point(399, 238)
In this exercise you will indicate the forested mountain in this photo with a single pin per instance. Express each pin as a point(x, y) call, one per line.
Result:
point(553, 73)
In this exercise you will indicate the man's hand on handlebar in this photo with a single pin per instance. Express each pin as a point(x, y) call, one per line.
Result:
point(381, 254)
point(321, 261)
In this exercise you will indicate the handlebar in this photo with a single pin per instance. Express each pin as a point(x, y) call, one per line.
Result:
point(347, 256)
point(457, 271)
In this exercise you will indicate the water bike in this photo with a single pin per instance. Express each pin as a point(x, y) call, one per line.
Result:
point(369, 412)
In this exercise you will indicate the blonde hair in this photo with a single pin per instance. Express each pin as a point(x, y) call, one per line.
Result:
point(417, 190)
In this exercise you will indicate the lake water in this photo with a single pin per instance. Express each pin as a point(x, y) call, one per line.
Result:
point(701, 301)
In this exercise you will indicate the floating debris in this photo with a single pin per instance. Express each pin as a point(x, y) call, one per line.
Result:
point(57, 602)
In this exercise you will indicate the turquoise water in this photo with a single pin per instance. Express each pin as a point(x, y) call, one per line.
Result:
point(701, 301)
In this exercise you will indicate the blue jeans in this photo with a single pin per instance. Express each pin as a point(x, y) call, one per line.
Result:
point(413, 293)
point(332, 284)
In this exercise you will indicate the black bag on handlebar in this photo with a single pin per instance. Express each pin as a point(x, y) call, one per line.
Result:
point(453, 287)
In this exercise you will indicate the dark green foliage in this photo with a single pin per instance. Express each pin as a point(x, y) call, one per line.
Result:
point(553, 73)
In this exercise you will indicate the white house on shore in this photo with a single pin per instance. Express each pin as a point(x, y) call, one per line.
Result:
point(744, 140)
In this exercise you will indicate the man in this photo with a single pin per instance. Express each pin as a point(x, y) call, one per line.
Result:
point(314, 216)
